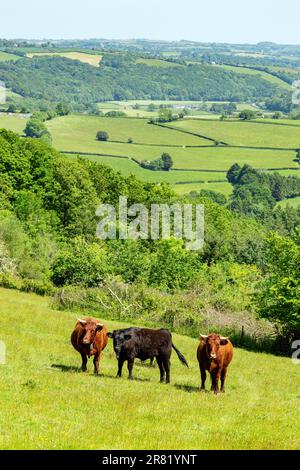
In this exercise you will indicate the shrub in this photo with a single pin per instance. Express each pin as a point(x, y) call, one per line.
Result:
point(102, 136)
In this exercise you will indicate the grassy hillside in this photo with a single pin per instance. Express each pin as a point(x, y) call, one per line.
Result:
point(91, 59)
point(4, 57)
point(266, 76)
point(242, 133)
point(14, 123)
point(48, 403)
point(77, 133)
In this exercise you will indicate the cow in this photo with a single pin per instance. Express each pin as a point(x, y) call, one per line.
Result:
point(144, 343)
point(89, 338)
point(214, 355)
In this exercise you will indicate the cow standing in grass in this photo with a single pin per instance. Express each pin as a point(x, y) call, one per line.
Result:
point(144, 343)
point(214, 355)
point(89, 338)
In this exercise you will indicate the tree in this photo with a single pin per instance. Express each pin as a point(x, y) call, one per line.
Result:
point(102, 136)
point(12, 108)
point(165, 115)
point(247, 115)
point(36, 129)
point(62, 109)
point(167, 161)
point(279, 299)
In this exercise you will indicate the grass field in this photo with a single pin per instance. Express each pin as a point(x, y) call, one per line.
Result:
point(47, 403)
point(293, 202)
point(14, 123)
point(157, 63)
point(76, 133)
point(242, 133)
point(91, 59)
point(4, 56)
point(266, 76)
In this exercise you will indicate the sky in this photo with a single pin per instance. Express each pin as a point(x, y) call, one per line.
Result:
point(233, 21)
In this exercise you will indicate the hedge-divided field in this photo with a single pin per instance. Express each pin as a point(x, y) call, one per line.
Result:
point(47, 403)
point(198, 161)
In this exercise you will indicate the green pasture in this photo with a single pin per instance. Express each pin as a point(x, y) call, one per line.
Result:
point(265, 75)
point(157, 63)
point(80, 131)
point(15, 122)
point(5, 56)
point(243, 133)
point(292, 202)
point(48, 403)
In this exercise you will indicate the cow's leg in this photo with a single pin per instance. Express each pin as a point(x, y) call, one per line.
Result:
point(96, 363)
point(161, 369)
point(203, 377)
point(120, 367)
point(166, 363)
point(223, 377)
point(130, 367)
point(215, 377)
point(84, 362)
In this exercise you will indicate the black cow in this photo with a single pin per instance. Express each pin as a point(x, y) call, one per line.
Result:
point(144, 343)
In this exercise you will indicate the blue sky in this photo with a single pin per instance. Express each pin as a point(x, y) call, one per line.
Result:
point(240, 21)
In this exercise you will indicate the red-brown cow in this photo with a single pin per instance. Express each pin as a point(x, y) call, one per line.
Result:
point(214, 355)
point(89, 338)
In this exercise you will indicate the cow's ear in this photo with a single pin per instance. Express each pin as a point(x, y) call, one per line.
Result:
point(110, 335)
point(223, 341)
point(99, 326)
point(127, 337)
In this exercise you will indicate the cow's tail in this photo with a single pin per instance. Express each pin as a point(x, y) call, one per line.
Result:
point(180, 356)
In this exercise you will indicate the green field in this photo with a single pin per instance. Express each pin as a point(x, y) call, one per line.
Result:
point(266, 76)
point(293, 202)
point(91, 59)
point(76, 133)
point(47, 403)
point(79, 130)
point(242, 133)
point(4, 57)
point(14, 123)
point(157, 63)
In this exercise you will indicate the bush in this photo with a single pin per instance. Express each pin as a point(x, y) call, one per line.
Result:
point(102, 136)
point(80, 263)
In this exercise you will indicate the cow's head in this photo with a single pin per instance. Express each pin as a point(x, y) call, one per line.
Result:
point(119, 337)
point(89, 330)
point(212, 344)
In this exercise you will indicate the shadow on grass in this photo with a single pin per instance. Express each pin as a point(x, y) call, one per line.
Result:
point(189, 388)
point(64, 368)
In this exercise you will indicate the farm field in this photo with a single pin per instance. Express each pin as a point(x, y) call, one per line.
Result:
point(47, 401)
point(293, 202)
point(242, 133)
point(91, 59)
point(82, 130)
point(266, 76)
point(157, 63)
point(128, 167)
point(219, 187)
point(76, 133)
point(5, 56)
point(15, 122)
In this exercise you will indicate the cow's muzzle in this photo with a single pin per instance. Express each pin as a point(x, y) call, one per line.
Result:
point(213, 356)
